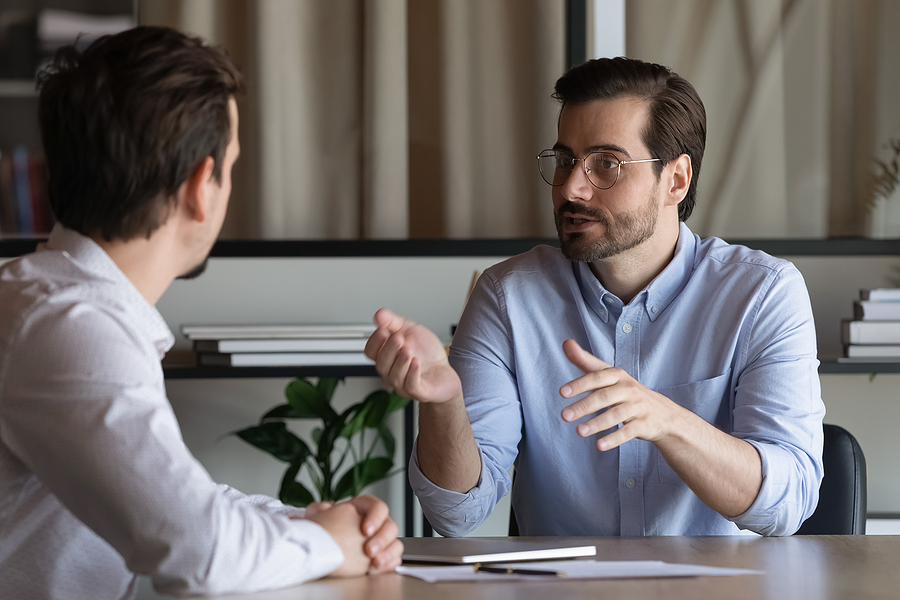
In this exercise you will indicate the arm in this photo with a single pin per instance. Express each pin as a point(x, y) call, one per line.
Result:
point(412, 359)
point(724, 472)
point(113, 456)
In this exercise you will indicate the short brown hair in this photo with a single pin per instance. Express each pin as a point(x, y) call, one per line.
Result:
point(125, 122)
point(677, 118)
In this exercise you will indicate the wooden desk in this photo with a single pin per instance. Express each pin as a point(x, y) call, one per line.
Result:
point(797, 567)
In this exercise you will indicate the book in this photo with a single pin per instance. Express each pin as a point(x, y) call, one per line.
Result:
point(880, 294)
point(350, 344)
point(308, 331)
point(283, 359)
point(872, 351)
point(870, 332)
point(873, 310)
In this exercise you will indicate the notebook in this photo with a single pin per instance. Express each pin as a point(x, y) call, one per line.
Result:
point(483, 550)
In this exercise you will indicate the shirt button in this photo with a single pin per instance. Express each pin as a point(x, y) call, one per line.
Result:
point(654, 309)
point(626, 328)
point(608, 299)
point(629, 483)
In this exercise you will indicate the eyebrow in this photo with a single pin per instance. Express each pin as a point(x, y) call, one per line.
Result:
point(599, 148)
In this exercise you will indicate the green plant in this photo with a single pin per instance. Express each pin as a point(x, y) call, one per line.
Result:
point(341, 435)
point(887, 178)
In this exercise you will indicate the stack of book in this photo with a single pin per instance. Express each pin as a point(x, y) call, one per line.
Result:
point(279, 345)
point(874, 332)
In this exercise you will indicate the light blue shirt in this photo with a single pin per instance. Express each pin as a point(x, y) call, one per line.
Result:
point(724, 331)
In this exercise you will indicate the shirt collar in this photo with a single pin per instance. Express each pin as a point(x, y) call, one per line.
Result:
point(92, 258)
point(660, 292)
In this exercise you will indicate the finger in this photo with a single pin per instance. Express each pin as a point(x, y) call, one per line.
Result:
point(376, 342)
point(626, 432)
point(581, 358)
point(387, 358)
point(385, 318)
point(382, 538)
point(389, 559)
point(619, 413)
point(594, 380)
point(399, 373)
point(373, 511)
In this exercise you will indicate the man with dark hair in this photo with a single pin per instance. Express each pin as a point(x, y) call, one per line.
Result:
point(643, 381)
point(96, 484)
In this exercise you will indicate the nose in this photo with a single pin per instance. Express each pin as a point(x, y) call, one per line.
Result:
point(577, 187)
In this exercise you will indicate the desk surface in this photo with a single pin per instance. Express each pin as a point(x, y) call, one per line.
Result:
point(797, 567)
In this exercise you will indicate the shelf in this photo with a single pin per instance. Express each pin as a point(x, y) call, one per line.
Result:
point(193, 372)
point(17, 88)
point(832, 366)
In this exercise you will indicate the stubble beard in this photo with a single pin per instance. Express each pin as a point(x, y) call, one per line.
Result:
point(630, 230)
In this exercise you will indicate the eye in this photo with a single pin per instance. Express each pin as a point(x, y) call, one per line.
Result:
point(564, 161)
point(606, 162)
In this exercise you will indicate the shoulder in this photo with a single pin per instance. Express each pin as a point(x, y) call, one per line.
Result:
point(540, 259)
point(716, 252)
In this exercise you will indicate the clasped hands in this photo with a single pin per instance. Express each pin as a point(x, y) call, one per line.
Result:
point(364, 531)
point(411, 359)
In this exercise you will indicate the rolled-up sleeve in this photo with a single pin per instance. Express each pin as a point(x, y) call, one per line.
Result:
point(778, 407)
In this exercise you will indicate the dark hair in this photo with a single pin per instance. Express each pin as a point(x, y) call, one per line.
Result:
point(125, 122)
point(677, 118)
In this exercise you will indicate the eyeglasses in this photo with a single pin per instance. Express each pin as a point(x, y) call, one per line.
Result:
point(602, 168)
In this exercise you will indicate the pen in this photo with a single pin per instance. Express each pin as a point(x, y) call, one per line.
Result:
point(511, 571)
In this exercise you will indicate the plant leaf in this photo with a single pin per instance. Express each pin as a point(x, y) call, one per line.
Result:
point(327, 385)
point(317, 435)
point(397, 402)
point(293, 492)
point(286, 411)
point(274, 438)
point(378, 403)
point(358, 420)
point(370, 470)
point(308, 401)
point(387, 438)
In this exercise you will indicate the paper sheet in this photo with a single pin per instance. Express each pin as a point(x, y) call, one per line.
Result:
point(573, 569)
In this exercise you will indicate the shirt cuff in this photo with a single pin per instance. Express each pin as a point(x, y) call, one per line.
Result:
point(774, 511)
point(452, 514)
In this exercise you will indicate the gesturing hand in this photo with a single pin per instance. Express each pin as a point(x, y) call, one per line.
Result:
point(412, 359)
point(644, 414)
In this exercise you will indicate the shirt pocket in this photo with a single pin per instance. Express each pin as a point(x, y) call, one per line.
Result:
point(708, 399)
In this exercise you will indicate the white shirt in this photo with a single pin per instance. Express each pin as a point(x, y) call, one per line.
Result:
point(96, 484)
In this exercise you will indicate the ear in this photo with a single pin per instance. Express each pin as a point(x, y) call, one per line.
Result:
point(682, 173)
point(195, 192)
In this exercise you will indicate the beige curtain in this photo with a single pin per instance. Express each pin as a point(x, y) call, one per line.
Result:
point(386, 118)
point(800, 96)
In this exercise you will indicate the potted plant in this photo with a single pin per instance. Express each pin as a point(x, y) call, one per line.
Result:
point(340, 437)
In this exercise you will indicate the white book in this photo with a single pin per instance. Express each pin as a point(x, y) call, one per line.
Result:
point(350, 344)
point(306, 331)
point(872, 310)
point(871, 332)
point(284, 359)
point(880, 294)
point(873, 351)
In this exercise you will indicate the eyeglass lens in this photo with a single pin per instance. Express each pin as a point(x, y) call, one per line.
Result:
point(556, 166)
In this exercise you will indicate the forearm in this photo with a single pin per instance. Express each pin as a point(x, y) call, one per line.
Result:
point(447, 452)
point(725, 472)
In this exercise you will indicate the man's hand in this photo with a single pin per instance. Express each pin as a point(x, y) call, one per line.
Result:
point(644, 414)
point(412, 359)
point(365, 533)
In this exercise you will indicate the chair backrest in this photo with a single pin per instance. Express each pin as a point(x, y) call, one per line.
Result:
point(842, 496)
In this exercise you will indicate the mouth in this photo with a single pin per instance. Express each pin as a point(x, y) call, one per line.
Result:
point(574, 222)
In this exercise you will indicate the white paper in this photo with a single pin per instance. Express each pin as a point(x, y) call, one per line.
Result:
point(573, 569)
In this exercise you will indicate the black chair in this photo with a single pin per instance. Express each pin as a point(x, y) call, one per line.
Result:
point(842, 497)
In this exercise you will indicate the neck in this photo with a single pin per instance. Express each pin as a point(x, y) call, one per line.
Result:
point(145, 262)
point(626, 274)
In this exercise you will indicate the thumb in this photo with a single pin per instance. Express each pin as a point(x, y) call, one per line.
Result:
point(581, 358)
point(385, 318)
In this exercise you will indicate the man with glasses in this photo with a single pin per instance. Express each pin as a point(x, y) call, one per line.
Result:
point(642, 381)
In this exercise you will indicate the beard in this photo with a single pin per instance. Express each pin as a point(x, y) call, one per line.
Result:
point(629, 230)
point(196, 271)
